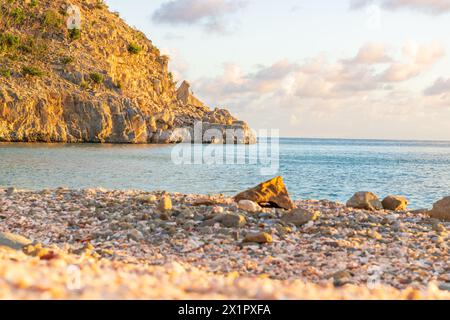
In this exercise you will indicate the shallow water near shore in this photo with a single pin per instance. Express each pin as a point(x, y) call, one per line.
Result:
point(312, 168)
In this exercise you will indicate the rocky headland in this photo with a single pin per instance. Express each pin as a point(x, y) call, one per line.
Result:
point(101, 81)
point(97, 243)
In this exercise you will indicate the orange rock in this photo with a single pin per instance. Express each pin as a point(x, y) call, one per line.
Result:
point(261, 237)
point(272, 193)
point(395, 203)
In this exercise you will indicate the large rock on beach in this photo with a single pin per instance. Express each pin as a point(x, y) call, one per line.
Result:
point(13, 241)
point(300, 217)
point(365, 200)
point(272, 193)
point(441, 209)
point(395, 203)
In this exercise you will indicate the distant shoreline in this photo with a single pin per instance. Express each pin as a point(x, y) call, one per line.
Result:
point(281, 138)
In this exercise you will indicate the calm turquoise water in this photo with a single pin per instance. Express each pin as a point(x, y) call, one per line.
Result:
point(312, 168)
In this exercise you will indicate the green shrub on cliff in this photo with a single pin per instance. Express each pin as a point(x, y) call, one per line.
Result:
point(34, 3)
point(97, 78)
point(134, 48)
point(52, 19)
point(67, 60)
point(33, 46)
point(8, 41)
point(5, 73)
point(18, 15)
point(32, 71)
point(74, 34)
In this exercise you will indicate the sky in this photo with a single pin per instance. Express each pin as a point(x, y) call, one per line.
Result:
point(376, 69)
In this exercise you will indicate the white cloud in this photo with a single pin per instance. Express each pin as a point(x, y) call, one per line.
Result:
point(426, 6)
point(416, 60)
point(367, 87)
point(371, 53)
point(371, 70)
point(213, 15)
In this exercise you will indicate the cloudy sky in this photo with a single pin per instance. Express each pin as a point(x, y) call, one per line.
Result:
point(341, 68)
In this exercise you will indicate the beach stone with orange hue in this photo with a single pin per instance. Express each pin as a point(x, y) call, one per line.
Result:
point(395, 203)
point(272, 193)
point(231, 220)
point(165, 204)
point(300, 217)
point(261, 237)
point(365, 200)
point(441, 210)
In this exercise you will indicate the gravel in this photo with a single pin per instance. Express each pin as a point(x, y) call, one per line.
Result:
point(341, 253)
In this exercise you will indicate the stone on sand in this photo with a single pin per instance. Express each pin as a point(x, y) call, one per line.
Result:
point(249, 206)
point(365, 200)
point(300, 217)
point(272, 193)
point(441, 210)
point(165, 204)
point(260, 237)
point(395, 203)
point(231, 220)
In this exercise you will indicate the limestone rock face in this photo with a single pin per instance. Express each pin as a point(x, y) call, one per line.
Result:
point(365, 200)
point(92, 89)
point(185, 95)
point(441, 210)
point(272, 193)
point(395, 203)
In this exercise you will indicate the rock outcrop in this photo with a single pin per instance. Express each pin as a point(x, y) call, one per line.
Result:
point(104, 82)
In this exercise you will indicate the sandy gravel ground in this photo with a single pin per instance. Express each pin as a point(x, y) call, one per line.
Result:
point(124, 245)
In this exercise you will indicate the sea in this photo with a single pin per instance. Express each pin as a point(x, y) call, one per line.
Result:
point(332, 169)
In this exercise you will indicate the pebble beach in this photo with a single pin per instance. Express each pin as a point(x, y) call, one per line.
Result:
point(154, 245)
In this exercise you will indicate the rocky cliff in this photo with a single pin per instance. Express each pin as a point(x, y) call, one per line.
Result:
point(98, 80)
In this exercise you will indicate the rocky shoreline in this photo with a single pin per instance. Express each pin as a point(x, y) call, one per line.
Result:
point(198, 246)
